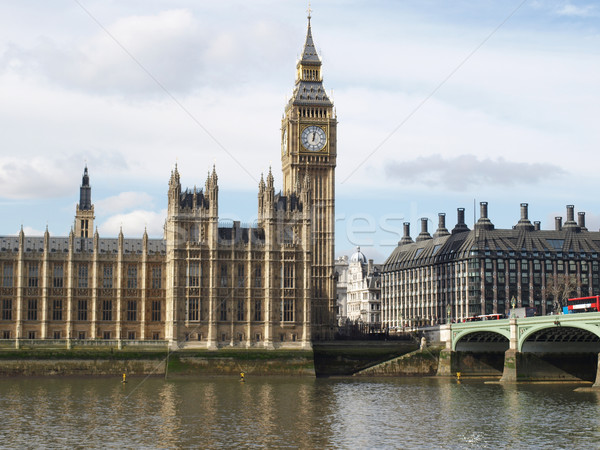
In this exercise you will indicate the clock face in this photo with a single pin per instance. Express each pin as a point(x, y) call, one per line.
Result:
point(284, 142)
point(313, 138)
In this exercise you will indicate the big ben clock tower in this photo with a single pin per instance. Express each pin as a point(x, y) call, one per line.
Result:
point(308, 149)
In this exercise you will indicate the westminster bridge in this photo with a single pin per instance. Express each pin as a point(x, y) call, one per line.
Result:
point(557, 347)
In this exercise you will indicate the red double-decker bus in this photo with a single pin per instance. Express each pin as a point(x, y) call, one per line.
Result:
point(584, 304)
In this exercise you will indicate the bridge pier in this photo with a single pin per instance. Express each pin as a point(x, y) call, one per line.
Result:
point(511, 356)
point(597, 382)
point(447, 356)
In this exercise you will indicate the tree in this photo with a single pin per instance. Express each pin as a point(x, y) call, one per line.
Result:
point(561, 287)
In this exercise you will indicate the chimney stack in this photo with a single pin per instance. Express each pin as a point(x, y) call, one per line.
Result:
point(424, 234)
point(558, 223)
point(460, 221)
point(570, 224)
point(406, 239)
point(581, 220)
point(537, 225)
point(442, 230)
point(524, 212)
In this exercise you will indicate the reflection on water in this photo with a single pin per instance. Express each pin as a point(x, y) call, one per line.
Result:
point(294, 412)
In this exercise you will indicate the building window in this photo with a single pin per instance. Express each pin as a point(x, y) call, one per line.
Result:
point(240, 309)
point(155, 336)
point(7, 309)
point(240, 275)
point(288, 276)
point(132, 276)
point(6, 334)
point(32, 306)
point(106, 335)
point(132, 310)
point(257, 310)
point(257, 276)
point(107, 310)
point(288, 310)
point(82, 276)
point(156, 311)
point(57, 309)
point(223, 275)
point(33, 275)
point(223, 310)
point(131, 335)
point(156, 277)
point(193, 274)
point(82, 306)
point(107, 276)
point(7, 275)
point(31, 335)
point(57, 276)
point(193, 310)
point(57, 335)
point(81, 335)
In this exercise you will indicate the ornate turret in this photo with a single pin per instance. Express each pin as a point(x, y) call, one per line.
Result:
point(84, 212)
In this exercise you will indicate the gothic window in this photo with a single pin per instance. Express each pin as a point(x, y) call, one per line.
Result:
point(32, 307)
point(33, 275)
point(132, 310)
point(132, 276)
point(107, 276)
point(57, 309)
point(223, 310)
point(193, 309)
point(193, 274)
point(257, 276)
point(288, 276)
point(156, 311)
point(240, 275)
point(156, 277)
point(257, 310)
point(82, 307)
point(240, 309)
point(288, 310)
point(57, 276)
point(82, 276)
point(7, 309)
point(7, 275)
point(106, 309)
point(223, 275)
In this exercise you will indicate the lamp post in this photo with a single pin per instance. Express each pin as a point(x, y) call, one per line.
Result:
point(448, 312)
point(513, 303)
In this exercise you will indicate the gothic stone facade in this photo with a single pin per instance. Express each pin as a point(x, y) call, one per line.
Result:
point(270, 285)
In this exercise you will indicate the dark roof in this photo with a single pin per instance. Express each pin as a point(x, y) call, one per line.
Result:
point(237, 234)
point(521, 242)
point(61, 244)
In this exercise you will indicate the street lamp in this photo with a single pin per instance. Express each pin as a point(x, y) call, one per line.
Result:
point(448, 312)
point(513, 303)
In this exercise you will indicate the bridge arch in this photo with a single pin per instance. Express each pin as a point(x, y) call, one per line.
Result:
point(480, 334)
point(527, 332)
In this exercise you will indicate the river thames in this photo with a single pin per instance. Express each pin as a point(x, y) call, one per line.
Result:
point(286, 412)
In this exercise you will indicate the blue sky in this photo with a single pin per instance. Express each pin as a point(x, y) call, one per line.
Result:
point(439, 103)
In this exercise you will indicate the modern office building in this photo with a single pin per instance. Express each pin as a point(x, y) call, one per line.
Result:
point(452, 275)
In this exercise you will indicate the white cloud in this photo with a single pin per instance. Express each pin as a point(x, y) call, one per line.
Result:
point(572, 10)
point(134, 223)
point(29, 231)
point(123, 202)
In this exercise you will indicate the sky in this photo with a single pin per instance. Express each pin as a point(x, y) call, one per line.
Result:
point(440, 105)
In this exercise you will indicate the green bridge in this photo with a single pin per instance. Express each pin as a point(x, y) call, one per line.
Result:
point(557, 347)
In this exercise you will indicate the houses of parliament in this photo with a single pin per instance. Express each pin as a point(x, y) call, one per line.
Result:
point(202, 285)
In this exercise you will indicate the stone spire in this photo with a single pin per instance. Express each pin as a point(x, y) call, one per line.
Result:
point(85, 192)
point(309, 53)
